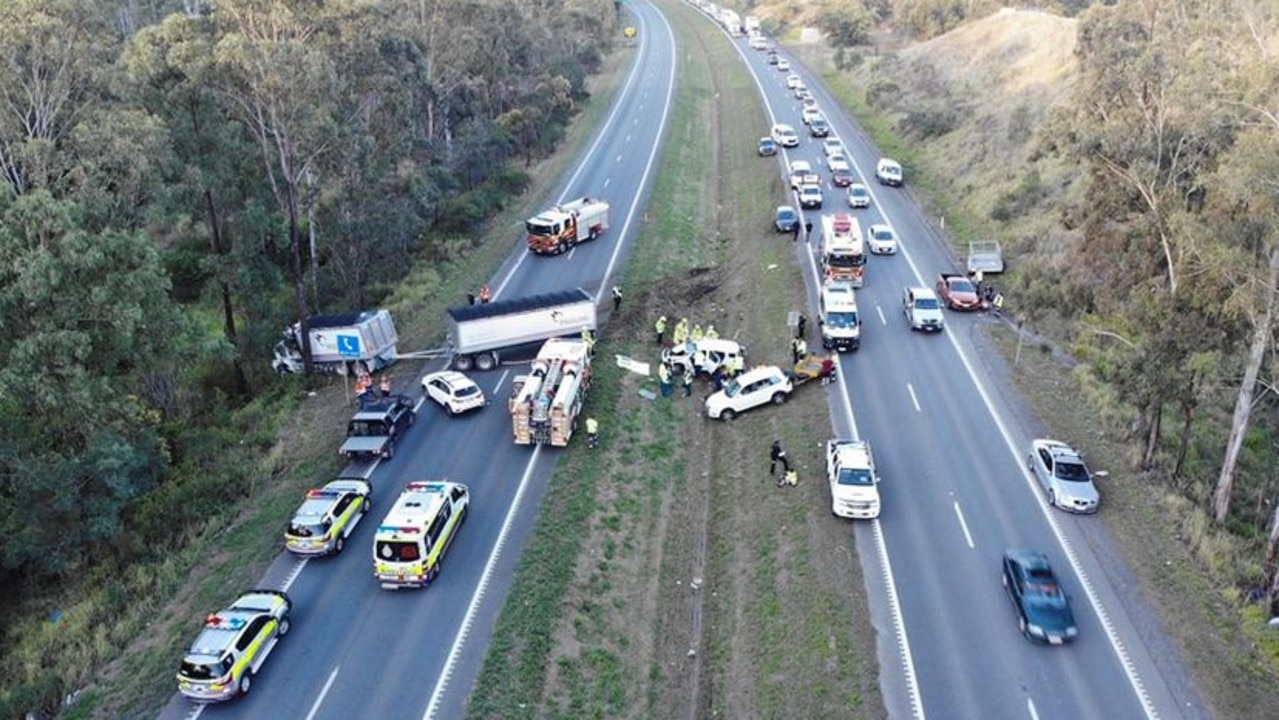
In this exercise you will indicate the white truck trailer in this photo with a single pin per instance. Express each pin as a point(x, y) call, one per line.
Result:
point(480, 334)
point(340, 344)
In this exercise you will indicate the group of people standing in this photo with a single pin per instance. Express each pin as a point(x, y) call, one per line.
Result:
point(683, 333)
point(364, 388)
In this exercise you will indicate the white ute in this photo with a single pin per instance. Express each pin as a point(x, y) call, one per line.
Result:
point(850, 469)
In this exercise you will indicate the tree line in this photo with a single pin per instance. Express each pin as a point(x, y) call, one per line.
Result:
point(178, 181)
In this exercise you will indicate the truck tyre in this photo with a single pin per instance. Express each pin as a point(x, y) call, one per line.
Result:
point(462, 363)
point(485, 361)
point(779, 398)
point(593, 234)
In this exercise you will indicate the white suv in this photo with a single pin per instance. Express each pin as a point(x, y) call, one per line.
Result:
point(922, 308)
point(785, 135)
point(755, 387)
point(850, 470)
point(888, 172)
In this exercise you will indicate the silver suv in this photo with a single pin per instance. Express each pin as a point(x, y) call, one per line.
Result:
point(1062, 473)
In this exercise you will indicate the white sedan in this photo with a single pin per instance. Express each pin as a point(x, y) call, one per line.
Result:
point(882, 239)
point(454, 392)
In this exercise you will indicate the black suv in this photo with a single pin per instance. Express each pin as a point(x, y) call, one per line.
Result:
point(373, 431)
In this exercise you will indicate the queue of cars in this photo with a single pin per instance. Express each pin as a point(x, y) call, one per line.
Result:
point(1040, 601)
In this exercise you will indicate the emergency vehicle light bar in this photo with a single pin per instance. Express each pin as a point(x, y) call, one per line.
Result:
point(217, 621)
point(319, 493)
point(397, 528)
point(427, 486)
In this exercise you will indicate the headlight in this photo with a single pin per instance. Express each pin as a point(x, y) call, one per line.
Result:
point(1072, 631)
point(1035, 630)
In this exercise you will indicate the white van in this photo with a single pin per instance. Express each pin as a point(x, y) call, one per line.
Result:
point(838, 317)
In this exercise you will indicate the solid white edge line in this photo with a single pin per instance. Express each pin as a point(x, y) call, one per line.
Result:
point(1030, 708)
point(964, 526)
point(197, 711)
point(293, 575)
point(459, 640)
point(315, 707)
point(464, 630)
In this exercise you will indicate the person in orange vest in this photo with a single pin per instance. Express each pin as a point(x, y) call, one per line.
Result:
point(485, 294)
point(363, 383)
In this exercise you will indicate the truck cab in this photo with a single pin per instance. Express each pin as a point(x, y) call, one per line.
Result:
point(850, 470)
point(837, 314)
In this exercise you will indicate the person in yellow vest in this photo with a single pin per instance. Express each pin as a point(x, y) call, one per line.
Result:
point(711, 333)
point(660, 327)
point(696, 335)
point(592, 432)
point(588, 337)
point(790, 478)
point(681, 332)
point(664, 377)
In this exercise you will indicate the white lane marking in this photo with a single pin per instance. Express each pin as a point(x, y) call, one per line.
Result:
point(464, 631)
point(619, 157)
point(879, 310)
point(964, 526)
point(293, 575)
point(608, 181)
point(441, 683)
point(913, 400)
point(315, 708)
point(501, 381)
point(599, 139)
point(196, 712)
point(1030, 707)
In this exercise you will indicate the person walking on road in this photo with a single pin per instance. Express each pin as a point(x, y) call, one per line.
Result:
point(617, 298)
point(777, 455)
point(660, 328)
point(797, 229)
point(808, 230)
point(688, 380)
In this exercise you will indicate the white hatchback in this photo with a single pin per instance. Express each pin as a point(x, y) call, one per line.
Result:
point(785, 135)
point(453, 391)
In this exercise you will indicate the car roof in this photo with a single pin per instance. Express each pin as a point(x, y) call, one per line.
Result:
point(880, 226)
point(922, 292)
point(452, 378)
point(784, 209)
point(1029, 559)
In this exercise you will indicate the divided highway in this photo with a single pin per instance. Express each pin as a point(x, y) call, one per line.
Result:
point(357, 651)
point(956, 493)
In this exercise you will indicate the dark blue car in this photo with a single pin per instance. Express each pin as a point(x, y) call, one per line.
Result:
point(1043, 609)
point(786, 219)
point(767, 147)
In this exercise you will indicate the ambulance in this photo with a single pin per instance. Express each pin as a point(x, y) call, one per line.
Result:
point(410, 543)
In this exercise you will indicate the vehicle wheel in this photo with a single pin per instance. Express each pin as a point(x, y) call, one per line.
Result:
point(779, 398)
point(1021, 624)
point(485, 361)
point(449, 409)
point(339, 545)
point(435, 572)
point(594, 234)
point(462, 363)
point(390, 451)
point(284, 626)
point(245, 683)
point(727, 415)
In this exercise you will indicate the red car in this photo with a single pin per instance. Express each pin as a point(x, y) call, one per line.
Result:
point(958, 292)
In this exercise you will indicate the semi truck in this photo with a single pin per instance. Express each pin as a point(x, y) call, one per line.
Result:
point(545, 403)
point(561, 228)
point(479, 335)
point(843, 249)
point(343, 344)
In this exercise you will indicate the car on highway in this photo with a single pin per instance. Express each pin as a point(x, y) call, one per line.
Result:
point(757, 386)
point(837, 157)
point(819, 128)
point(888, 172)
point(1043, 608)
point(772, 57)
point(810, 196)
point(1062, 473)
point(785, 219)
point(783, 64)
point(453, 391)
point(802, 173)
point(832, 145)
point(233, 645)
point(411, 541)
point(793, 81)
point(801, 91)
point(767, 147)
point(327, 517)
point(785, 135)
point(806, 100)
point(840, 174)
point(957, 292)
point(922, 309)
point(759, 43)
point(882, 239)
point(374, 430)
point(850, 472)
point(810, 114)
point(858, 196)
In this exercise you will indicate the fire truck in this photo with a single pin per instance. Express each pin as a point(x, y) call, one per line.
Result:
point(562, 227)
point(843, 250)
point(546, 402)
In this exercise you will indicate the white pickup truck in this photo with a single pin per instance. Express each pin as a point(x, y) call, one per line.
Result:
point(850, 470)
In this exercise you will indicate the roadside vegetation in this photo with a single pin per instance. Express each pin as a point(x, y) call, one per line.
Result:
point(1140, 234)
point(667, 567)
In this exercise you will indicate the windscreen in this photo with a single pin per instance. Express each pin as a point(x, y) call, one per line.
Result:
point(540, 228)
point(859, 477)
point(841, 320)
point(926, 304)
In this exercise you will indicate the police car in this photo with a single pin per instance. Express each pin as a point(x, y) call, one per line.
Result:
point(327, 517)
point(233, 645)
point(414, 536)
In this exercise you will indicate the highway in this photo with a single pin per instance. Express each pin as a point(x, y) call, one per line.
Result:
point(951, 450)
point(356, 650)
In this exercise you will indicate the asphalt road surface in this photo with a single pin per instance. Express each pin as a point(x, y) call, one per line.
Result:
point(357, 651)
point(951, 446)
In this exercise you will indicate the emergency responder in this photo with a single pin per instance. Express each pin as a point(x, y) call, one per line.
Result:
point(688, 380)
point(363, 384)
point(696, 335)
point(799, 348)
point(385, 386)
point(485, 294)
point(617, 298)
point(777, 455)
point(711, 333)
point(592, 432)
point(660, 328)
point(588, 338)
point(801, 325)
point(681, 332)
point(664, 376)
point(790, 478)
point(808, 230)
